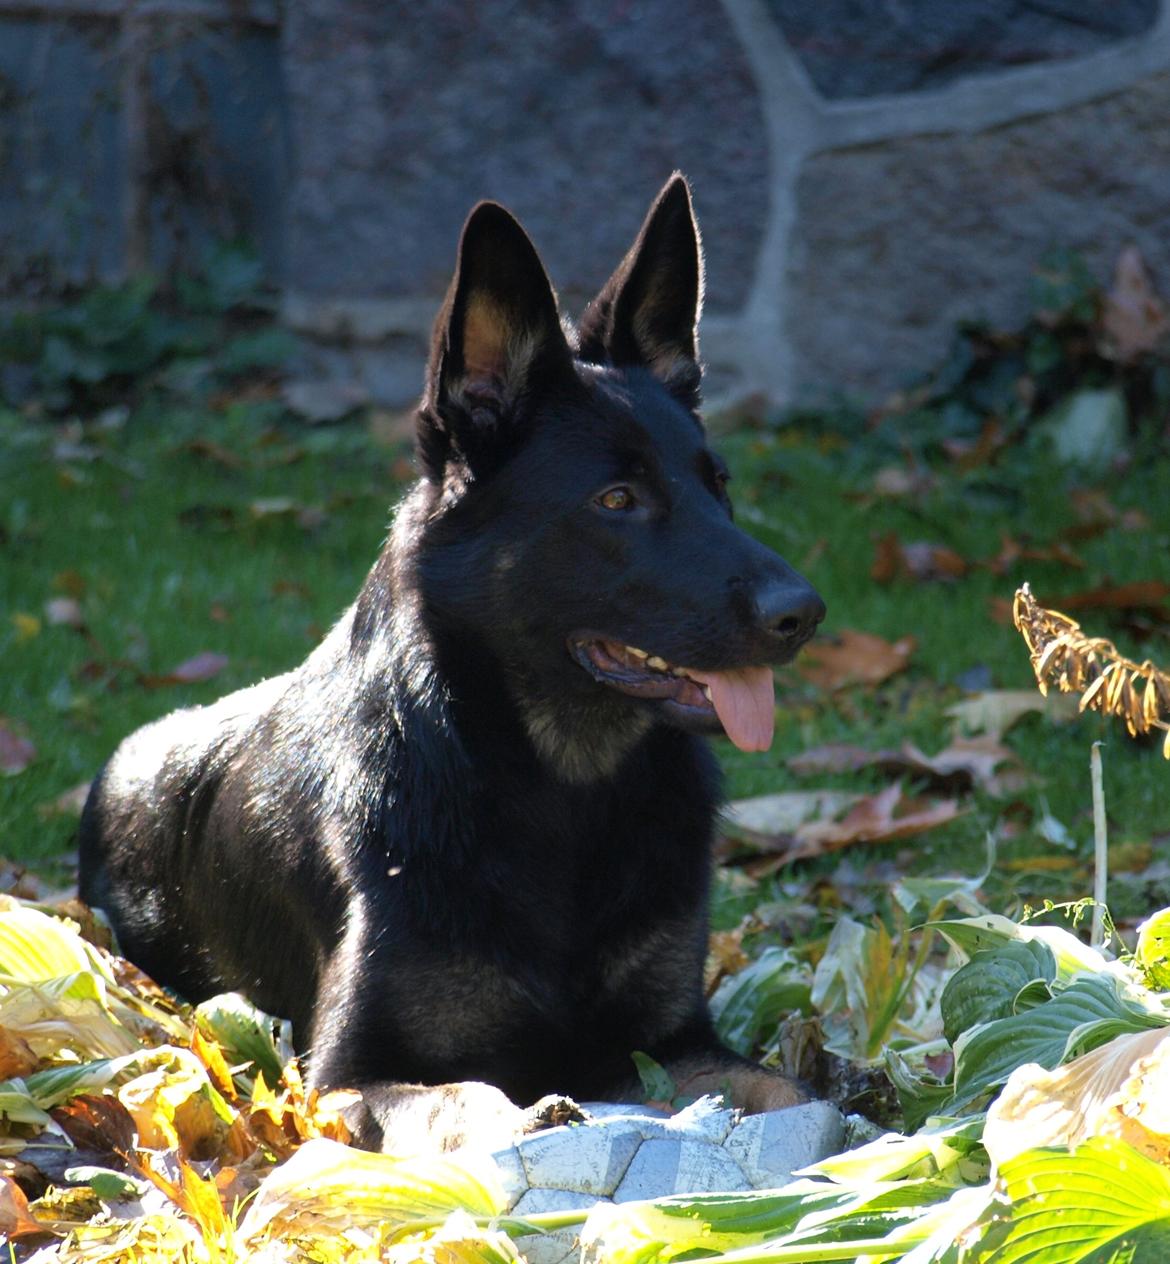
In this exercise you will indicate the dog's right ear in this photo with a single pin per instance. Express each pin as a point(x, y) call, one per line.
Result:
point(497, 329)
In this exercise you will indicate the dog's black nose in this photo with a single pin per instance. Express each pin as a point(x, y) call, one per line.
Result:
point(789, 609)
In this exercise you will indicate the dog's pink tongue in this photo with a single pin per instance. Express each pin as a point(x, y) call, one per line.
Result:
point(745, 702)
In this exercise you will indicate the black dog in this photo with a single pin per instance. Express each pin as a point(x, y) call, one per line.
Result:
point(469, 838)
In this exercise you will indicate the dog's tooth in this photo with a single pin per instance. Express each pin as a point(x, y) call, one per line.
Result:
point(637, 653)
point(659, 664)
point(707, 693)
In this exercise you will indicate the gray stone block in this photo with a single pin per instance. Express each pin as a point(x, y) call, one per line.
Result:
point(852, 49)
point(769, 1148)
point(590, 1158)
point(679, 1166)
point(906, 238)
point(554, 109)
point(537, 1200)
point(513, 1177)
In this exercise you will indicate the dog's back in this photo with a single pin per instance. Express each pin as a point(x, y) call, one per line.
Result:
point(469, 838)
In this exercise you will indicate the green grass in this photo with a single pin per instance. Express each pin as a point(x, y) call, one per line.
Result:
point(152, 527)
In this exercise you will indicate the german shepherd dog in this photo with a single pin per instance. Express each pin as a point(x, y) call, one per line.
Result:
point(465, 846)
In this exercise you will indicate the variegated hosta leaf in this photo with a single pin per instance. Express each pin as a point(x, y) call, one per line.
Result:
point(1121, 1089)
point(325, 1182)
point(35, 947)
point(1102, 1202)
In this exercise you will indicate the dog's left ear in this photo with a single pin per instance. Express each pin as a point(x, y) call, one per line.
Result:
point(647, 313)
point(497, 332)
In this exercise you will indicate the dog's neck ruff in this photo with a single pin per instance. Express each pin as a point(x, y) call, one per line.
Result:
point(582, 749)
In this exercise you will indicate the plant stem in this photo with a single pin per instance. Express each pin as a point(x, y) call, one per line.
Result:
point(1100, 848)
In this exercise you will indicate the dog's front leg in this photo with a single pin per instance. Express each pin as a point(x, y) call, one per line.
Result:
point(355, 1044)
point(746, 1084)
point(415, 1118)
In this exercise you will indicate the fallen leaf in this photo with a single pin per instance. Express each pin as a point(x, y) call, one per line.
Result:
point(16, 1055)
point(917, 560)
point(26, 626)
point(216, 452)
point(877, 818)
point(64, 612)
point(854, 658)
point(193, 670)
point(1133, 318)
point(1142, 594)
point(16, 751)
point(994, 711)
point(16, 1221)
point(1013, 551)
point(873, 820)
point(967, 762)
point(770, 815)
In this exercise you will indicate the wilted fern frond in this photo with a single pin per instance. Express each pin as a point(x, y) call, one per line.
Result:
point(1064, 657)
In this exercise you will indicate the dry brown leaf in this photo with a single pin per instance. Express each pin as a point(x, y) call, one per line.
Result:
point(874, 820)
point(967, 762)
point(16, 751)
point(16, 1221)
point(1133, 318)
point(1142, 594)
point(917, 560)
point(854, 658)
point(16, 1055)
point(725, 955)
point(878, 818)
point(192, 671)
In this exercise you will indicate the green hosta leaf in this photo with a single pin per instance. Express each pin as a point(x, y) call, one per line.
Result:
point(987, 987)
point(1103, 1203)
point(245, 1034)
point(748, 1006)
point(1153, 949)
point(657, 1082)
point(971, 934)
point(919, 1098)
point(1090, 1011)
point(326, 1185)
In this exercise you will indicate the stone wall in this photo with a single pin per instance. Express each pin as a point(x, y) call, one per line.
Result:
point(866, 174)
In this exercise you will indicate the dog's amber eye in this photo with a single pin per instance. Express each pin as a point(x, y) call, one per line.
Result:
point(616, 498)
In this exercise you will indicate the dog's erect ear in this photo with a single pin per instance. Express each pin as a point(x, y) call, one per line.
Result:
point(648, 312)
point(497, 328)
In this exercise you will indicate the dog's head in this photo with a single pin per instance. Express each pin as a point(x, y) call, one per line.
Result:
point(576, 515)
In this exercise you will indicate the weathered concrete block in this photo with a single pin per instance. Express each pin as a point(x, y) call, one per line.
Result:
point(513, 1176)
point(769, 1148)
point(678, 1166)
point(590, 1158)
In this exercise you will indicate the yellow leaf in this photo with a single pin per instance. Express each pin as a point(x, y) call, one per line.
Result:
point(27, 626)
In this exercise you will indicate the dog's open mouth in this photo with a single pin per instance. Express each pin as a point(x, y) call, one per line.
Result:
point(741, 699)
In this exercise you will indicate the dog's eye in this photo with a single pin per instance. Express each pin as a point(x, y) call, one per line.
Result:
point(617, 499)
